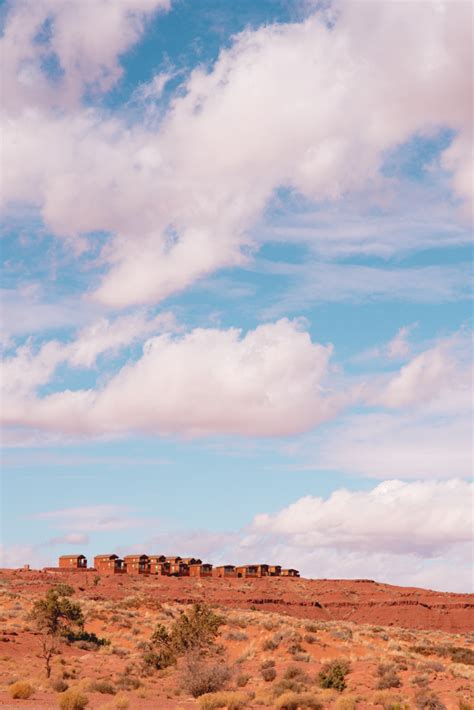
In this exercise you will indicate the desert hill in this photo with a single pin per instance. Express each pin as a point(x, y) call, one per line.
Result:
point(403, 647)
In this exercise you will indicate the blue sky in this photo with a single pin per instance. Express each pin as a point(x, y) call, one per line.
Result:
point(236, 303)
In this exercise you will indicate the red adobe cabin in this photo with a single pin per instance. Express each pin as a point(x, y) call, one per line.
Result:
point(137, 564)
point(200, 570)
point(109, 564)
point(158, 565)
point(227, 571)
point(290, 573)
point(73, 562)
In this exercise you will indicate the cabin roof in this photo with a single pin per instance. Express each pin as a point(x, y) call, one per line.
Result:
point(72, 557)
point(106, 557)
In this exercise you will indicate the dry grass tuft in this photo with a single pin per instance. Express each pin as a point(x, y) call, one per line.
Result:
point(298, 701)
point(73, 699)
point(230, 700)
point(21, 690)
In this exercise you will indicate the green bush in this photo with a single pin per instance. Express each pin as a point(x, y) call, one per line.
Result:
point(333, 674)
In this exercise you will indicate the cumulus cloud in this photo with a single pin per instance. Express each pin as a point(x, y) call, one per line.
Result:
point(423, 518)
point(268, 382)
point(406, 533)
point(300, 105)
point(443, 373)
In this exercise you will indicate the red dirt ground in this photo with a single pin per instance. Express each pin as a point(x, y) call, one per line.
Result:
point(313, 621)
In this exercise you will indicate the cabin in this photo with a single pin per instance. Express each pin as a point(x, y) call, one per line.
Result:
point(200, 569)
point(274, 570)
point(227, 571)
point(158, 565)
point(178, 568)
point(73, 562)
point(137, 564)
point(191, 561)
point(109, 564)
point(252, 571)
point(290, 573)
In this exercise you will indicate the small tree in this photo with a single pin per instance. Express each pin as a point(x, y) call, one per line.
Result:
point(196, 629)
point(55, 616)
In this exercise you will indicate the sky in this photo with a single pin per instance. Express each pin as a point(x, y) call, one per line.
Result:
point(236, 284)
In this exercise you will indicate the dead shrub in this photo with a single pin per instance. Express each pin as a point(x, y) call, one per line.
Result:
point(21, 690)
point(390, 701)
point(310, 638)
point(203, 674)
point(73, 699)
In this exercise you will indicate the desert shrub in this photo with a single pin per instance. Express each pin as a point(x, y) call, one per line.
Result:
point(293, 672)
point(242, 680)
point(428, 701)
point(420, 680)
point(462, 655)
point(102, 686)
point(310, 638)
point(237, 636)
point(347, 703)
point(283, 686)
point(295, 647)
point(464, 705)
point(202, 674)
point(267, 663)
point(73, 699)
point(84, 637)
point(390, 701)
point(226, 699)
point(64, 590)
point(431, 667)
point(389, 680)
point(311, 628)
point(387, 677)
point(21, 690)
point(59, 685)
point(298, 701)
point(269, 645)
point(127, 682)
point(333, 674)
point(268, 674)
point(195, 629)
point(121, 702)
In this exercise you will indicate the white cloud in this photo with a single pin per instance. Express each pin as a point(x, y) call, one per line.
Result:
point(442, 372)
point(268, 382)
point(69, 539)
point(406, 445)
point(296, 105)
point(80, 42)
point(416, 533)
point(30, 367)
point(91, 518)
point(399, 347)
point(418, 517)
